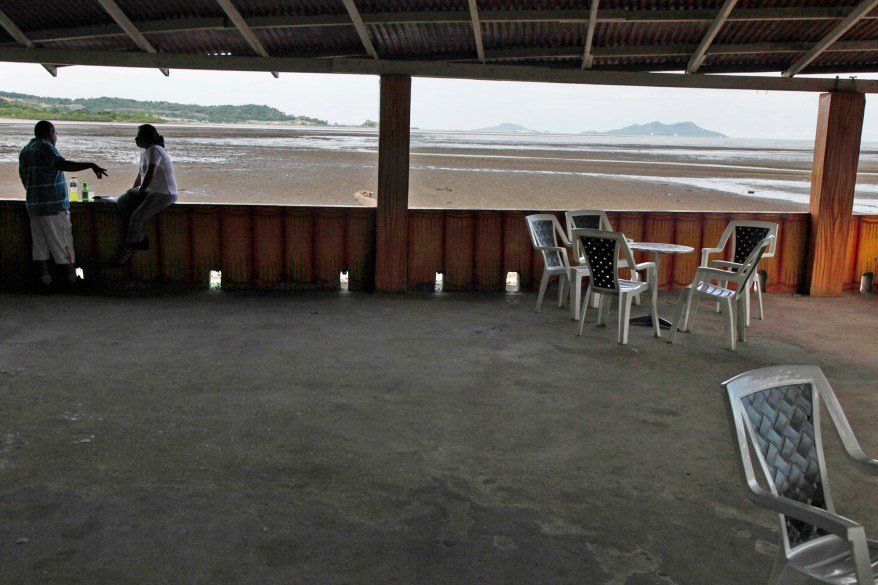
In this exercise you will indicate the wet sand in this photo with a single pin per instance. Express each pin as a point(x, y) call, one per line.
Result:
point(229, 169)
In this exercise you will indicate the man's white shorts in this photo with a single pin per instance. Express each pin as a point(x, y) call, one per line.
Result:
point(53, 238)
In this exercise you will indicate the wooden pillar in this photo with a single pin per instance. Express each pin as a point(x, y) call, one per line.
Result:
point(836, 155)
point(391, 245)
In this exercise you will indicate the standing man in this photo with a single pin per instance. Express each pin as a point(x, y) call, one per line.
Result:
point(41, 169)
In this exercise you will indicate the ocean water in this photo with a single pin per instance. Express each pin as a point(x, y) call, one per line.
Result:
point(226, 144)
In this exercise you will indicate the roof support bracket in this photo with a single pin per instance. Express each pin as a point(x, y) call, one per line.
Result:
point(354, 13)
point(477, 29)
point(125, 24)
point(856, 15)
point(22, 39)
point(701, 52)
point(243, 28)
point(587, 55)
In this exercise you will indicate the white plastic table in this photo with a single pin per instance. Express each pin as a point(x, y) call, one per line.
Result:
point(656, 249)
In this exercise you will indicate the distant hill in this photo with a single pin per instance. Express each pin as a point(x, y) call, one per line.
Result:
point(658, 129)
point(506, 127)
point(105, 109)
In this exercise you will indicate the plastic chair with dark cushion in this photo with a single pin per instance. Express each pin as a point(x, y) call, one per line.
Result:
point(603, 253)
point(732, 302)
point(545, 231)
point(743, 235)
point(775, 414)
point(593, 219)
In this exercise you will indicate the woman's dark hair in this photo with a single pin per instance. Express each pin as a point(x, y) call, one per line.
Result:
point(149, 132)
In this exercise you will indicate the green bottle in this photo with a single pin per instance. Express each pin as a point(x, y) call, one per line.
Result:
point(85, 190)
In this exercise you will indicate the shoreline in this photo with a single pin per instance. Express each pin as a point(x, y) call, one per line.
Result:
point(299, 166)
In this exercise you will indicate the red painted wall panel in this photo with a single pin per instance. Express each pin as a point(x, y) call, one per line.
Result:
point(489, 251)
point(206, 231)
point(425, 254)
point(517, 248)
point(329, 246)
point(792, 254)
point(15, 246)
point(299, 246)
point(268, 246)
point(237, 246)
point(175, 240)
point(360, 248)
point(459, 242)
point(867, 249)
point(688, 232)
point(659, 227)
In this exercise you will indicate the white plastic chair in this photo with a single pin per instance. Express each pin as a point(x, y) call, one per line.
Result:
point(744, 235)
point(603, 253)
point(775, 414)
point(731, 302)
point(593, 219)
point(545, 230)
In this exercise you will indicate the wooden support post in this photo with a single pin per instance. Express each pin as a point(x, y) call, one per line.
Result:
point(391, 245)
point(834, 176)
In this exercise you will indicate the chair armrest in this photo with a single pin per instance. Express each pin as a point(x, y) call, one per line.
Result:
point(644, 266)
point(705, 252)
point(708, 274)
point(725, 264)
point(551, 248)
point(833, 523)
point(848, 530)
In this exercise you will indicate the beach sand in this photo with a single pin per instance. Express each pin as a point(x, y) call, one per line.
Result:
point(223, 172)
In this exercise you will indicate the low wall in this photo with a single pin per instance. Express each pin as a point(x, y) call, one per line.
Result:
point(266, 246)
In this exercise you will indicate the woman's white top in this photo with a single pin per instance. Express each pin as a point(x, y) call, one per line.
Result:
point(163, 179)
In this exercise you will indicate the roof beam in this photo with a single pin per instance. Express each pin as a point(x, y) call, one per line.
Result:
point(243, 28)
point(125, 24)
point(701, 52)
point(857, 14)
point(433, 69)
point(448, 17)
point(354, 13)
point(22, 39)
point(477, 29)
point(587, 57)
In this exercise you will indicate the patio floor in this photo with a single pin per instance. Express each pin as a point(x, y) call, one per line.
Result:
point(319, 438)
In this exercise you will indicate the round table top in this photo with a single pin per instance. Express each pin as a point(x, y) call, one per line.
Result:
point(660, 247)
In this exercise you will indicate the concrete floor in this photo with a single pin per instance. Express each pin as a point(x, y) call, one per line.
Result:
point(321, 438)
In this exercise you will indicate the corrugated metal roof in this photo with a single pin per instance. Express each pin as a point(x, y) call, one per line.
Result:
point(629, 35)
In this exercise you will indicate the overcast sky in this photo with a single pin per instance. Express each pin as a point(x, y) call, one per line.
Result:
point(448, 104)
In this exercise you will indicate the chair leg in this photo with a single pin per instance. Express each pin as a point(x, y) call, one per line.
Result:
point(691, 310)
point(544, 284)
point(584, 310)
point(746, 296)
point(563, 289)
point(653, 311)
point(575, 294)
point(742, 331)
point(728, 310)
point(724, 284)
point(682, 304)
point(624, 314)
point(758, 287)
point(603, 311)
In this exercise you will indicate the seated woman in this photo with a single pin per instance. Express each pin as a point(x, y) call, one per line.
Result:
point(155, 188)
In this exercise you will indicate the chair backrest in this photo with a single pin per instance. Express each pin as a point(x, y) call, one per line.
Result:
point(746, 234)
point(602, 250)
point(751, 262)
point(592, 219)
point(747, 271)
point(776, 410)
point(544, 229)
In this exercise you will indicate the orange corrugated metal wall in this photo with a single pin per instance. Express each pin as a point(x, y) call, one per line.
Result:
point(307, 247)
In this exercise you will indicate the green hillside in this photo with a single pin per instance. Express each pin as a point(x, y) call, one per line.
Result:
point(106, 109)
